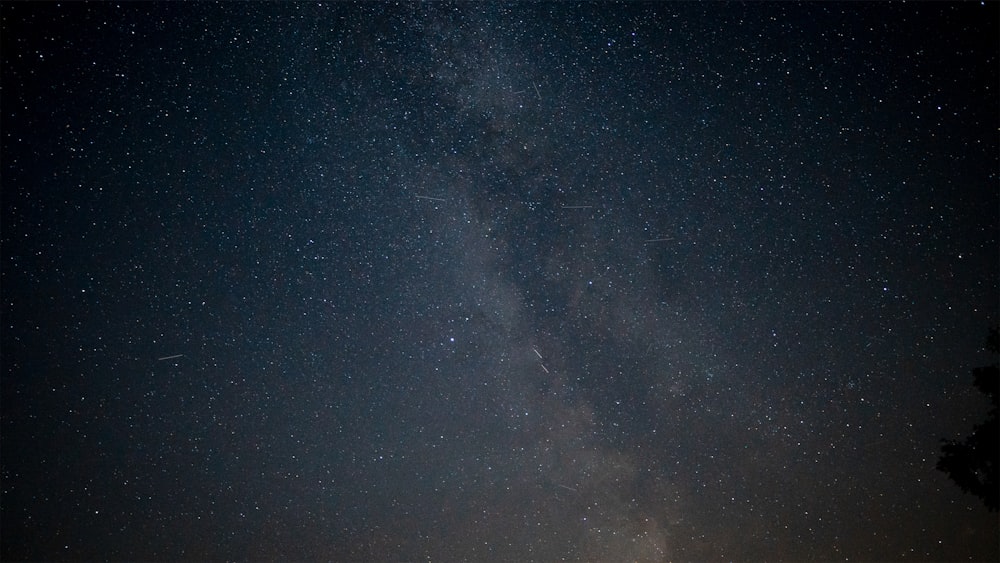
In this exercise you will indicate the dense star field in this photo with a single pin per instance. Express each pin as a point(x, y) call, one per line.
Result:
point(481, 282)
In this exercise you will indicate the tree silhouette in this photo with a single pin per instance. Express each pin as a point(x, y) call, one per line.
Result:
point(972, 464)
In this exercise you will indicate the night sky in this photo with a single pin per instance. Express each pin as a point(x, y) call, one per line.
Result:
point(485, 282)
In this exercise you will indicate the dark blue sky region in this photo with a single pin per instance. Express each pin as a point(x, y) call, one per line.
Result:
point(495, 282)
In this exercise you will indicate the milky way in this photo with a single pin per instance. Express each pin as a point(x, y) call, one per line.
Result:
point(480, 282)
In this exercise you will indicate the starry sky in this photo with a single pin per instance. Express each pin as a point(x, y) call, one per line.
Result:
point(495, 282)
